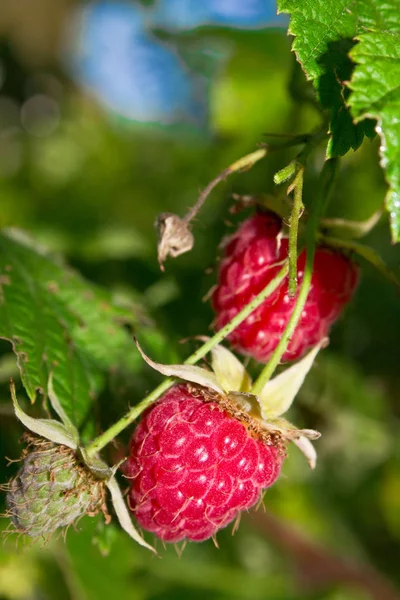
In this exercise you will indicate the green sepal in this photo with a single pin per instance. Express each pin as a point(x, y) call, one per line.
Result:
point(52, 430)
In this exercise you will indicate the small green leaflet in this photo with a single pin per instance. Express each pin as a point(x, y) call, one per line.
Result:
point(316, 24)
point(323, 36)
point(324, 33)
point(320, 26)
point(375, 89)
point(59, 324)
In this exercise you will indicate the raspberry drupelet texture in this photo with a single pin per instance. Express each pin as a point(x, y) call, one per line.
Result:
point(253, 257)
point(193, 467)
point(51, 489)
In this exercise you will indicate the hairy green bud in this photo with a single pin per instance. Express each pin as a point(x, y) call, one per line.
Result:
point(52, 489)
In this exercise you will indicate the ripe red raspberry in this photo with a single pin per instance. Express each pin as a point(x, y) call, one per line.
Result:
point(194, 467)
point(251, 261)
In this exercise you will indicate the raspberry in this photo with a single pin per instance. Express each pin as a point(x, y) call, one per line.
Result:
point(252, 257)
point(194, 467)
point(52, 489)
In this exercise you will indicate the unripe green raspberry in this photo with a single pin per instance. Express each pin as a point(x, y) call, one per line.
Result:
point(52, 489)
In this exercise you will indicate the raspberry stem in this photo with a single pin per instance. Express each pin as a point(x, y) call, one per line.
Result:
point(367, 253)
point(242, 164)
point(105, 438)
point(249, 160)
point(327, 178)
point(297, 187)
point(285, 173)
point(296, 169)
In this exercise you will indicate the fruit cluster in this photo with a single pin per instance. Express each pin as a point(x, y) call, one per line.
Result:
point(208, 448)
point(193, 465)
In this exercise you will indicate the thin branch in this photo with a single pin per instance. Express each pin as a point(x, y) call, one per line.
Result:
point(297, 210)
point(325, 184)
point(244, 163)
point(105, 438)
point(366, 253)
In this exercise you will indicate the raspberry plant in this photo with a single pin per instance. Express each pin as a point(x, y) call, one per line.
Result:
point(209, 441)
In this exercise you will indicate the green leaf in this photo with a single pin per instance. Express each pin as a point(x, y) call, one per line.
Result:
point(59, 324)
point(375, 94)
point(319, 27)
point(344, 133)
point(324, 34)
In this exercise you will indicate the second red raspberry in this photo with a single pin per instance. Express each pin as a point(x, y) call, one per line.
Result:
point(253, 257)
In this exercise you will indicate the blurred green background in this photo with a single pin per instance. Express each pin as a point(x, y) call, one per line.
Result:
point(88, 180)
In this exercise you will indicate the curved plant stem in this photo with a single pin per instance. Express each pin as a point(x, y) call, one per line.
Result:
point(296, 169)
point(367, 253)
point(249, 160)
point(242, 164)
point(279, 351)
point(286, 173)
point(325, 187)
point(105, 438)
point(297, 187)
point(356, 229)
